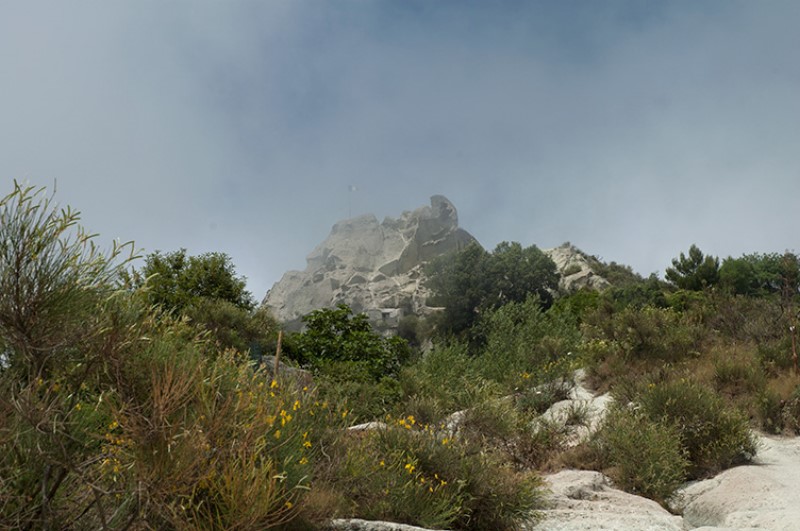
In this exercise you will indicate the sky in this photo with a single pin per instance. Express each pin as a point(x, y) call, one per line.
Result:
point(632, 129)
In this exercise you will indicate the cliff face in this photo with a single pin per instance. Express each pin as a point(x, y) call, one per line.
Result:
point(373, 267)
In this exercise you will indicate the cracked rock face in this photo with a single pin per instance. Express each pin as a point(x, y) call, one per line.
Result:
point(575, 269)
point(374, 267)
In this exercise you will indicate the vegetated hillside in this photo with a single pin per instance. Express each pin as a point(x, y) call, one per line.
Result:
point(135, 399)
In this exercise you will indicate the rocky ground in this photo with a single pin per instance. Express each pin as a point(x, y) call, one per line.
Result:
point(761, 495)
point(764, 495)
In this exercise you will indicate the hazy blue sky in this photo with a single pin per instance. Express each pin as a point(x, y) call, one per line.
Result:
point(632, 129)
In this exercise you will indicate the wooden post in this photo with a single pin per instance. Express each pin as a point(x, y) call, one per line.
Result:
point(794, 348)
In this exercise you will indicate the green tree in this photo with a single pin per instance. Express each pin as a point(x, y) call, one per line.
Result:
point(694, 272)
point(473, 280)
point(761, 274)
point(207, 290)
point(175, 280)
point(335, 335)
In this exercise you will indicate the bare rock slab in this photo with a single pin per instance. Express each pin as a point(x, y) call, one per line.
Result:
point(584, 500)
point(763, 495)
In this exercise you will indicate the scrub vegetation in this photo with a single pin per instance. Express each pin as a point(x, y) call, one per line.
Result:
point(137, 398)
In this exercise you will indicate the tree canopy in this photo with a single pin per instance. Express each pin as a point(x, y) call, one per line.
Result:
point(339, 335)
point(175, 280)
point(694, 272)
point(760, 274)
point(474, 280)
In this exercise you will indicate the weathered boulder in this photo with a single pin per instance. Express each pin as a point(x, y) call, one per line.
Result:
point(583, 500)
point(763, 495)
point(373, 267)
point(575, 268)
point(356, 524)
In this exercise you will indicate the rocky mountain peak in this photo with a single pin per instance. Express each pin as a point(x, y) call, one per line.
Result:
point(373, 267)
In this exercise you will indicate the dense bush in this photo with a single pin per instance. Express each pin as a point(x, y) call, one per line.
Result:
point(526, 346)
point(175, 280)
point(641, 456)
point(445, 380)
point(714, 435)
point(634, 342)
point(352, 363)
point(338, 335)
point(474, 280)
point(415, 474)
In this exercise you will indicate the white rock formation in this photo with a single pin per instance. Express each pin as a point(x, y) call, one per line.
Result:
point(356, 524)
point(373, 267)
point(763, 495)
point(575, 268)
point(584, 500)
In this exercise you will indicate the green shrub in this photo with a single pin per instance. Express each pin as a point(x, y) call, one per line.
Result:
point(642, 456)
point(646, 336)
point(538, 399)
point(790, 414)
point(413, 475)
point(445, 380)
point(526, 346)
point(737, 377)
point(345, 383)
point(770, 411)
point(714, 436)
point(339, 335)
point(776, 355)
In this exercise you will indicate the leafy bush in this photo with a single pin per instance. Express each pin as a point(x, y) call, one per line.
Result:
point(714, 436)
point(411, 474)
point(144, 429)
point(653, 334)
point(339, 335)
point(526, 346)
point(233, 327)
point(445, 380)
point(735, 377)
point(474, 280)
point(776, 356)
point(174, 280)
point(642, 456)
point(538, 399)
point(791, 413)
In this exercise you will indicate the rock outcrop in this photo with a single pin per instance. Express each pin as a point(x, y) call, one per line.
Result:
point(575, 268)
point(374, 267)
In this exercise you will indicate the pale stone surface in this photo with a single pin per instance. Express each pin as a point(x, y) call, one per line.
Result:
point(584, 500)
point(575, 269)
point(763, 495)
point(580, 397)
point(373, 267)
point(356, 524)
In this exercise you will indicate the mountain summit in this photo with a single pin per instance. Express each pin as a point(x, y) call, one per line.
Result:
point(373, 267)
